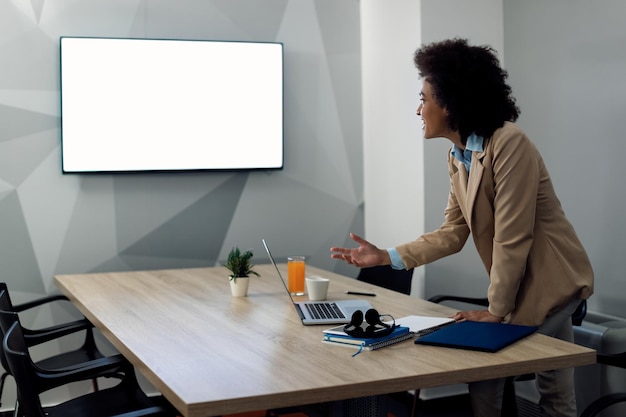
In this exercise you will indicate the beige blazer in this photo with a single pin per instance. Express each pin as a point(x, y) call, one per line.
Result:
point(535, 261)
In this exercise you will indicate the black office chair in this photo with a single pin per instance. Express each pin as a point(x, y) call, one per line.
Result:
point(607, 400)
point(385, 276)
point(509, 400)
point(126, 399)
point(88, 350)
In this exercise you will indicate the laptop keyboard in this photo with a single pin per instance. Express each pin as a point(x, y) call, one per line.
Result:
point(324, 311)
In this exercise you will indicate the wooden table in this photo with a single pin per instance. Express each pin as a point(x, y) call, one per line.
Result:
point(210, 353)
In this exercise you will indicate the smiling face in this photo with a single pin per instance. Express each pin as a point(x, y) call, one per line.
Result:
point(432, 114)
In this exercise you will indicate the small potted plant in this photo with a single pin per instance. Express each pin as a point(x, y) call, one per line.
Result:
point(241, 268)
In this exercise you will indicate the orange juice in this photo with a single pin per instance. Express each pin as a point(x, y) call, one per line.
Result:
point(295, 274)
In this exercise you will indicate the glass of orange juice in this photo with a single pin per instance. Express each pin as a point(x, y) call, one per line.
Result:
point(295, 274)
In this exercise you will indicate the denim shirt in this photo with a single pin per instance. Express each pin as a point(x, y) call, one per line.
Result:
point(474, 144)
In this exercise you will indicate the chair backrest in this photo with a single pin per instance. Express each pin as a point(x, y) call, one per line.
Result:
point(385, 276)
point(124, 399)
point(5, 302)
point(5, 305)
point(579, 314)
point(22, 367)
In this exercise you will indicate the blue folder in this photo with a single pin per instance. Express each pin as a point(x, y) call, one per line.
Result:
point(473, 335)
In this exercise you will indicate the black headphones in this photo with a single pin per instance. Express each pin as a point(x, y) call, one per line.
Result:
point(375, 328)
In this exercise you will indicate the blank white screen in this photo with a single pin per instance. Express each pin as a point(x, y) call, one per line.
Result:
point(160, 105)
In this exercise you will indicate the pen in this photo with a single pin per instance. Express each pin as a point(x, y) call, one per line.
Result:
point(368, 294)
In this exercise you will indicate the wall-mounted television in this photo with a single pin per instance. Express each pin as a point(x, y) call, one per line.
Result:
point(137, 105)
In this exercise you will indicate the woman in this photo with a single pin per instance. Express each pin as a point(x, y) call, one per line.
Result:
point(501, 193)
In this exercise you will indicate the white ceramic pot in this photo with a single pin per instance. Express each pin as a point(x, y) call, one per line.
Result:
point(239, 286)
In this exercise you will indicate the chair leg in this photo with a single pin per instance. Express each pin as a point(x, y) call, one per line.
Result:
point(2, 381)
point(90, 346)
point(16, 411)
point(416, 398)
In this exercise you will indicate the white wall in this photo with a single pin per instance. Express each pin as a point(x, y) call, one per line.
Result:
point(567, 73)
point(392, 142)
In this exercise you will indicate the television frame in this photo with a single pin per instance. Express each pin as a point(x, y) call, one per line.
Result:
point(178, 90)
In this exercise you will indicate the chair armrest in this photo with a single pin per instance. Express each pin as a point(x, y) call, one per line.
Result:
point(155, 411)
point(470, 300)
point(38, 336)
point(110, 365)
point(613, 359)
point(102, 367)
point(35, 303)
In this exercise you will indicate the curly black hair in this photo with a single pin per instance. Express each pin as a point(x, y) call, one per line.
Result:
point(470, 84)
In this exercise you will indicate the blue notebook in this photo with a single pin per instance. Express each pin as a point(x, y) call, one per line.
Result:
point(473, 335)
point(399, 334)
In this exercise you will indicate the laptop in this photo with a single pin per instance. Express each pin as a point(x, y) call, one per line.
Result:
point(321, 312)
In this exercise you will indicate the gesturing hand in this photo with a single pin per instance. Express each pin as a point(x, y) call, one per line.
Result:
point(364, 256)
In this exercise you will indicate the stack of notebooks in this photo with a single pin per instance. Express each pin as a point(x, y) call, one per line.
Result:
point(437, 331)
point(406, 328)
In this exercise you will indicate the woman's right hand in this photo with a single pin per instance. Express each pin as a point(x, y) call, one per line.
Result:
point(364, 256)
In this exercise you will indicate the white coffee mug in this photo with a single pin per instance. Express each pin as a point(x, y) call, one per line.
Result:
point(317, 287)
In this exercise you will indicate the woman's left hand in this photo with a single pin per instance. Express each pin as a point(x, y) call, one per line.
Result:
point(477, 315)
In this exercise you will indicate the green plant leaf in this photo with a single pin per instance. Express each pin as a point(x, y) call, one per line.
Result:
point(240, 264)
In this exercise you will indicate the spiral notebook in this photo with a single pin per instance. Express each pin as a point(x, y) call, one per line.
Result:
point(399, 334)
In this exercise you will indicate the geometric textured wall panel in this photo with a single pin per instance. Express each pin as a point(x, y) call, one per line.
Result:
point(54, 223)
point(20, 156)
point(17, 259)
point(18, 122)
point(195, 233)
